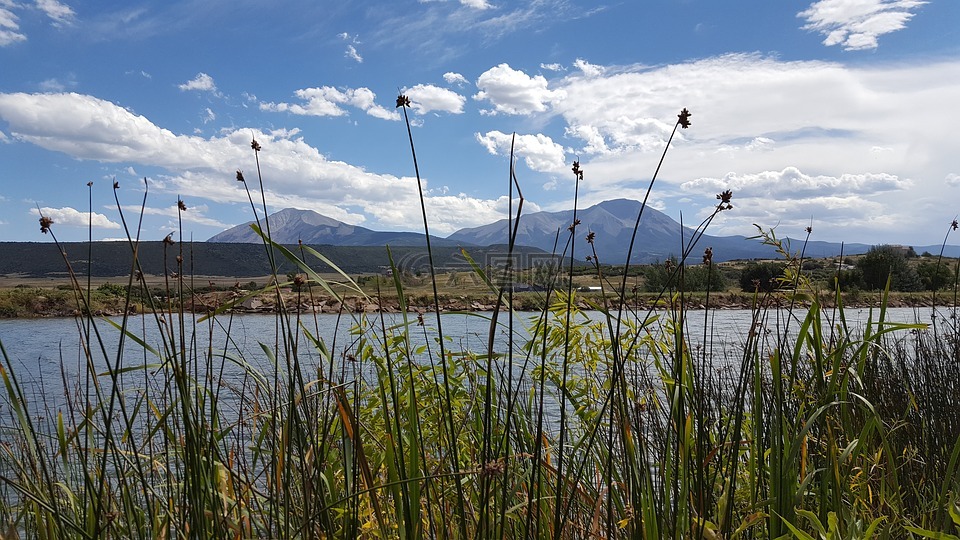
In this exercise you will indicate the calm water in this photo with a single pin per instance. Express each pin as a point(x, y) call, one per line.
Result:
point(46, 348)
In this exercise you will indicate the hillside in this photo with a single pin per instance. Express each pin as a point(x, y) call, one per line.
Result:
point(240, 260)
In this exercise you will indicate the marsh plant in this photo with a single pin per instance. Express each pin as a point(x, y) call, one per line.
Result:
point(562, 426)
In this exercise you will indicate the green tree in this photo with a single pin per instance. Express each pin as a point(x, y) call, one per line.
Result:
point(888, 262)
point(761, 276)
point(934, 276)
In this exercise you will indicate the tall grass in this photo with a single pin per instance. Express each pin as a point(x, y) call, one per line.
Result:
point(609, 424)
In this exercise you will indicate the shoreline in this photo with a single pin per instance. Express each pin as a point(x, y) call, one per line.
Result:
point(35, 303)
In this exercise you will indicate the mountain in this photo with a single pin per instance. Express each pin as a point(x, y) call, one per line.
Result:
point(290, 225)
point(658, 237)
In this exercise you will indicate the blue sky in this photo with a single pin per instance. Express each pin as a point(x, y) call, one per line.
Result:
point(840, 114)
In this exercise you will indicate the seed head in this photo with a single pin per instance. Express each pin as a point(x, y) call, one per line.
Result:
point(255, 145)
point(708, 256)
point(179, 259)
point(299, 279)
point(116, 185)
point(240, 176)
point(724, 199)
point(181, 205)
point(403, 101)
point(809, 229)
point(90, 183)
point(168, 241)
point(45, 224)
point(953, 225)
point(574, 225)
point(577, 171)
point(591, 236)
point(684, 118)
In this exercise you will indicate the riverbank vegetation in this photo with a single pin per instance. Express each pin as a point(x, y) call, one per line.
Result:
point(560, 427)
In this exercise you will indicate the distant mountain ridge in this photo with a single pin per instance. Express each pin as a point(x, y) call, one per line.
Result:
point(291, 225)
point(658, 238)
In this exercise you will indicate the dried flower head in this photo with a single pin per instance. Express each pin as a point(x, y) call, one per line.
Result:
point(240, 176)
point(591, 236)
point(299, 279)
point(116, 185)
point(90, 183)
point(708, 256)
point(589, 258)
point(577, 171)
point(45, 224)
point(684, 118)
point(572, 227)
point(255, 145)
point(179, 259)
point(724, 199)
point(168, 241)
point(403, 101)
point(953, 224)
point(809, 229)
point(181, 205)
point(493, 468)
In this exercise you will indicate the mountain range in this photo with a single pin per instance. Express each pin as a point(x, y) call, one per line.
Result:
point(658, 237)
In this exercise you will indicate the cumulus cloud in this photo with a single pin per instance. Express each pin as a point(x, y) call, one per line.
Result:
point(202, 83)
point(327, 101)
point(511, 91)
point(857, 24)
point(588, 69)
point(426, 97)
point(71, 217)
point(85, 127)
point(455, 78)
point(538, 152)
point(952, 180)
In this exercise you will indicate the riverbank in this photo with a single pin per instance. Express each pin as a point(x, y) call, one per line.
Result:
point(38, 302)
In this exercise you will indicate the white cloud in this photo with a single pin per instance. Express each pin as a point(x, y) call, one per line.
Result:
point(514, 92)
point(538, 152)
point(791, 183)
point(9, 26)
point(553, 67)
point(71, 217)
point(52, 85)
point(588, 69)
point(426, 97)
point(208, 116)
point(455, 78)
point(857, 24)
point(60, 13)
point(353, 54)
point(199, 169)
point(4, 138)
point(327, 101)
point(476, 4)
point(952, 180)
point(202, 82)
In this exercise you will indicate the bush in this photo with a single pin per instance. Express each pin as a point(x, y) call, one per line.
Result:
point(763, 277)
point(888, 262)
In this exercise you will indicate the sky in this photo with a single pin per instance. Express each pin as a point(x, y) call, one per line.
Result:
point(840, 115)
